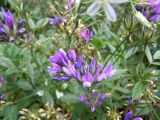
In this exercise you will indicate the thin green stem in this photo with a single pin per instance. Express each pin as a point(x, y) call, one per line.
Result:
point(120, 54)
point(116, 49)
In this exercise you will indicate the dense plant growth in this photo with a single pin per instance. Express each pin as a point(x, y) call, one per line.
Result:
point(80, 60)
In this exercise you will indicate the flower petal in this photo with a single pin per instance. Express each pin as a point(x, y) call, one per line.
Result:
point(138, 118)
point(94, 8)
point(87, 84)
point(93, 65)
point(67, 71)
point(128, 116)
point(88, 77)
point(72, 54)
point(110, 12)
point(61, 78)
point(118, 1)
point(102, 77)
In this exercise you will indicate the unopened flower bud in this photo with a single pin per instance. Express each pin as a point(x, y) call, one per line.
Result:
point(43, 115)
point(41, 110)
point(22, 118)
point(22, 112)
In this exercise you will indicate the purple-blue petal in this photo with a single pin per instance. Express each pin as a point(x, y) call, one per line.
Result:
point(70, 3)
point(128, 116)
point(82, 98)
point(88, 77)
point(21, 31)
point(2, 96)
point(93, 65)
point(55, 20)
point(92, 107)
point(79, 63)
point(9, 20)
point(138, 118)
point(86, 34)
point(72, 54)
point(20, 23)
point(61, 78)
point(101, 96)
point(2, 80)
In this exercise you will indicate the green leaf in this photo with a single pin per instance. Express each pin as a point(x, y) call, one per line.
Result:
point(24, 85)
point(31, 24)
point(14, 6)
point(157, 55)
point(69, 98)
point(10, 113)
point(47, 98)
point(122, 90)
point(41, 23)
point(156, 63)
point(148, 54)
point(5, 62)
point(31, 71)
point(138, 90)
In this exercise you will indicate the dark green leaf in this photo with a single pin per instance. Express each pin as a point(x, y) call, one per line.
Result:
point(24, 85)
point(138, 90)
point(69, 98)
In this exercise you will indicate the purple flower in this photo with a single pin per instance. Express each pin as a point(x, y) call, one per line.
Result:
point(152, 11)
point(63, 78)
point(129, 116)
point(8, 32)
point(88, 79)
point(73, 66)
point(8, 18)
point(55, 20)
point(20, 23)
point(94, 99)
point(2, 96)
point(86, 34)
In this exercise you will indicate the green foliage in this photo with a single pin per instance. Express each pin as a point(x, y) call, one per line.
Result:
point(133, 49)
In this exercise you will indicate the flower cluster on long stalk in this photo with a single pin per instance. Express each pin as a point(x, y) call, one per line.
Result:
point(66, 66)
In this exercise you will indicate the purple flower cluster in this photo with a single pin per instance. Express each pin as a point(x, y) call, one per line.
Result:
point(55, 20)
point(86, 34)
point(129, 116)
point(2, 84)
point(93, 100)
point(8, 30)
point(152, 11)
point(67, 65)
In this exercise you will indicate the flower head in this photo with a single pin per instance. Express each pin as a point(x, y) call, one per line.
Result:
point(108, 9)
point(94, 99)
point(65, 66)
point(8, 32)
point(8, 18)
point(86, 34)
